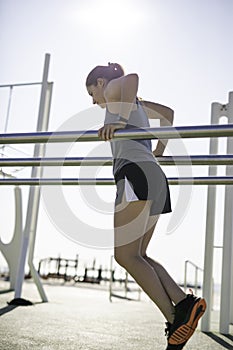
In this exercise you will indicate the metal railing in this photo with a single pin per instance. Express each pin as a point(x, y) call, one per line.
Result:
point(20, 84)
point(196, 269)
point(206, 180)
point(161, 133)
point(196, 284)
point(11, 87)
point(107, 161)
point(92, 135)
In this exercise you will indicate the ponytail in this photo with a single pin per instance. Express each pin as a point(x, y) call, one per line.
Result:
point(110, 72)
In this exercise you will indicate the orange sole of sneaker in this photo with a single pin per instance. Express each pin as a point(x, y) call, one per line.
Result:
point(184, 332)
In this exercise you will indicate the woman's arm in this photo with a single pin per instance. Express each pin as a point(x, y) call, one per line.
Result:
point(166, 117)
point(129, 89)
point(120, 96)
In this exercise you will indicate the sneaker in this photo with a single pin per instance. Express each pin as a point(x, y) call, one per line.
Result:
point(170, 346)
point(187, 314)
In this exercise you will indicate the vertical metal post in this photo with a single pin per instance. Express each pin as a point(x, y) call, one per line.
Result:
point(185, 275)
point(34, 192)
point(210, 227)
point(8, 108)
point(126, 284)
point(40, 152)
point(231, 290)
point(7, 116)
point(226, 294)
point(230, 116)
point(196, 279)
point(111, 279)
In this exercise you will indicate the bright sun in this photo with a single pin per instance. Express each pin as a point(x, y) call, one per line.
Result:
point(111, 16)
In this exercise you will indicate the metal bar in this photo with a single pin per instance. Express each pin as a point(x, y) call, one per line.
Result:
point(210, 225)
point(34, 195)
point(19, 84)
point(197, 268)
point(196, 280)
point(227, 252)
point(7, 114)
point(111, 279)
point(8, 109)
point(185, 275)
point(196, 160)
point(221, 180)
point(107, 161)
point(165, 132)
point(70, 161)
point(194, 265)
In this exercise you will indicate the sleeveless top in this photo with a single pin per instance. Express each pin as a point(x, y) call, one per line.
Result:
point(128, 151)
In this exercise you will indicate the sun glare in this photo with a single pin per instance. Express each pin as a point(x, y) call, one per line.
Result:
point(111, 16)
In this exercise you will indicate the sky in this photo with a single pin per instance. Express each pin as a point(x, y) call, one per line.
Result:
point(182, 52)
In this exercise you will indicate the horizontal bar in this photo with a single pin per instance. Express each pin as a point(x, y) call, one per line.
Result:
point(19, 84)
point(194, 265)
point(165, 132)
point(70, 161)
point(106, 161)
point(221, 180)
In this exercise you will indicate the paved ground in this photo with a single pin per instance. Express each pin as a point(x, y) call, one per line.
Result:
point(81, 317)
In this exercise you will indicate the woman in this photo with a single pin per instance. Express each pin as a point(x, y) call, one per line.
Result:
point(142, 195)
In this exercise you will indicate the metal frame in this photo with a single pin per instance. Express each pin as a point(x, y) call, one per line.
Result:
point(226, 308)
point(12, 250)
point(28, 234)
point(226, 314)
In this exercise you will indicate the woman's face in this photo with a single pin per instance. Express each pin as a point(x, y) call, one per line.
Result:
point(97, 93)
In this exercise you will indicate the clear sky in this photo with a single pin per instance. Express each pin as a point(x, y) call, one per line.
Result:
point(182, 51)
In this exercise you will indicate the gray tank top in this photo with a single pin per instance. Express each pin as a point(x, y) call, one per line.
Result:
point(127, 151)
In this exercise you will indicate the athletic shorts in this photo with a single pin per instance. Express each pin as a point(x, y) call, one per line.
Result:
point(144, 181)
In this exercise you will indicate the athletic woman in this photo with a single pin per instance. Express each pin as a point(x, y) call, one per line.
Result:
point(142, 195)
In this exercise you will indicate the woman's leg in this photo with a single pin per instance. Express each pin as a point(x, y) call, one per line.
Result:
point(187, 312)
point(130, 222)
point(174, 292)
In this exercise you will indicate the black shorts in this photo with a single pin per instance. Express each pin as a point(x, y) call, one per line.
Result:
point(144, 181)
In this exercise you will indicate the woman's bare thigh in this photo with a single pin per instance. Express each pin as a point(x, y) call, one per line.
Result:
point(130, 221)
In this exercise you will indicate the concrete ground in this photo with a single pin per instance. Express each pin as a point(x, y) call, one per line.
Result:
point(82, 317)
